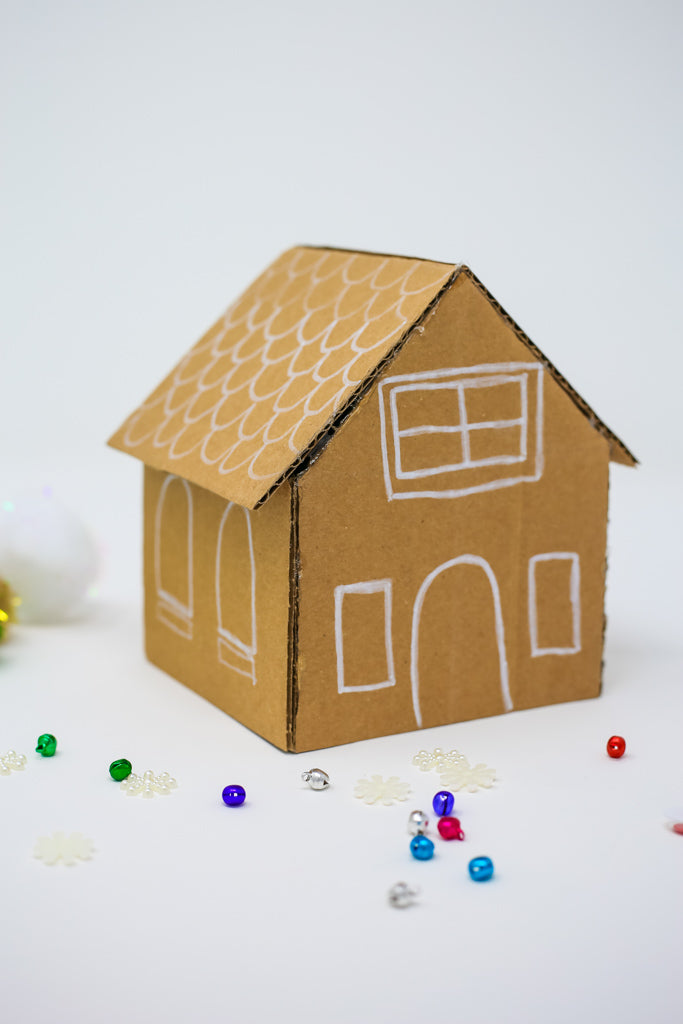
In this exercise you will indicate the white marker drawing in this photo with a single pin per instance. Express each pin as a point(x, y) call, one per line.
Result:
point(175, 610)
point(461, 382)
point(283, 359)
point(500, 631)
point(233, 652)
point(368, 587)
point(574, 598)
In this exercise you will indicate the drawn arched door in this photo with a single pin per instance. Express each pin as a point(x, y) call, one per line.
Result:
point(173, 556)
point(236, 592)
point(458, 661)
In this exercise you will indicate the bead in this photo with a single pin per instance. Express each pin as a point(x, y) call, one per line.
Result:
point(120, 769)
point(480, 869)
point(402, 895)
point(148, 784)
point(46, 745)
point(234, 796)
point(12, 762)
point(616, 745)
point(417, 823)
point(443, 803)
point(449, 828)
point(316, 778)
point(422, 848)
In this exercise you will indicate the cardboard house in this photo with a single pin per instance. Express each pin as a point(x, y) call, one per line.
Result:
point(371, 505)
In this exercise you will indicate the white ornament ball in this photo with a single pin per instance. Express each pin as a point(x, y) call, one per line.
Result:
point(47, 556)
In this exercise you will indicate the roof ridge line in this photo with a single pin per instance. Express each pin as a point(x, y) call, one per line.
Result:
point(627, 457)
point(311, 453)
point(381, 255)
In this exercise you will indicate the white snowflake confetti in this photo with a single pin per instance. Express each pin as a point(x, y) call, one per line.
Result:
point(69, 849)
point(377, 790)
point(469, 777)
point(438, 760)
point(148, 784)
point(12, 762)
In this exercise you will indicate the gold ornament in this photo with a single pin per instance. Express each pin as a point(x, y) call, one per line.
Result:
point(8, 604)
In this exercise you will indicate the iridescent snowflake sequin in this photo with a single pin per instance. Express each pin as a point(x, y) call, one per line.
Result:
point(377, 790)
point(68, 849)
point(149, 784)
point(469, 777)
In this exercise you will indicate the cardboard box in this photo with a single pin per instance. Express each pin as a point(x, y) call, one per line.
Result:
point(371, 505)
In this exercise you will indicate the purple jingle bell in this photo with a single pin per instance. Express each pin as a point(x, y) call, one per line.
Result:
point(233, 796)
point(443, 803)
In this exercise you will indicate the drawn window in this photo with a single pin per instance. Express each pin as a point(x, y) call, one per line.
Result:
point(362, 625)
point(236, 593)
point(173, 545)
point(455, 432)
point(554, 603)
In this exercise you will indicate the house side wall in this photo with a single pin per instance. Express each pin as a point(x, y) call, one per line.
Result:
point(217, 598)
point(366, 559)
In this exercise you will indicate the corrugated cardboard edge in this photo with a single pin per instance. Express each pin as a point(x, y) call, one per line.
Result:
point(617, 449)
point(293, 638)
point(308, 455)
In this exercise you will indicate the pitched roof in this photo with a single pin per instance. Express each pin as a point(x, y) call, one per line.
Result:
point(270, 376)
point(276, 371)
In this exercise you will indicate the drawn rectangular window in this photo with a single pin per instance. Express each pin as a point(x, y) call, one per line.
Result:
point(362, 628)
point(554, 603)
point(495, 398)
point(422, 454)
point(496, 446)
point(458, 431)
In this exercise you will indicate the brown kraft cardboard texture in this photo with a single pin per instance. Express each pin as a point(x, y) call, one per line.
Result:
point(372, 505)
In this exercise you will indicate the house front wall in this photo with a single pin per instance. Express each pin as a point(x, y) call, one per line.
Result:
point(451, 540)
point(217, 598)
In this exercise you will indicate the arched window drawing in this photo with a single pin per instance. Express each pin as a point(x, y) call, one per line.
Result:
point(475, 634)
point(236, 592)
point(173, 556)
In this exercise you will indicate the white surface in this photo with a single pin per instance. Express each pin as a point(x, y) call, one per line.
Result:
point(157, 157)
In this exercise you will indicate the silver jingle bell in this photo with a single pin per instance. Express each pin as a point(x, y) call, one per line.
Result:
point(316, 778)
point(417, 823)
point(402, 895)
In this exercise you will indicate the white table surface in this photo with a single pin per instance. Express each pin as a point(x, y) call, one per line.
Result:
point(159, 156)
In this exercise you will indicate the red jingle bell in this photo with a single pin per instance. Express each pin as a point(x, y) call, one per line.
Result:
point(449, 828)
point(616, 745)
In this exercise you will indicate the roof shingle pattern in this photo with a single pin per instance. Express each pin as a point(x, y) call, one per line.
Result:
point(267, 379)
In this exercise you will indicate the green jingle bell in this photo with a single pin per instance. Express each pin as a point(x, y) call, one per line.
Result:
point(120, 769)
point(47, 745)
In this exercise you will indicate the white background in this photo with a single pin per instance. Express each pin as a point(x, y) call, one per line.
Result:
point(156, 156)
